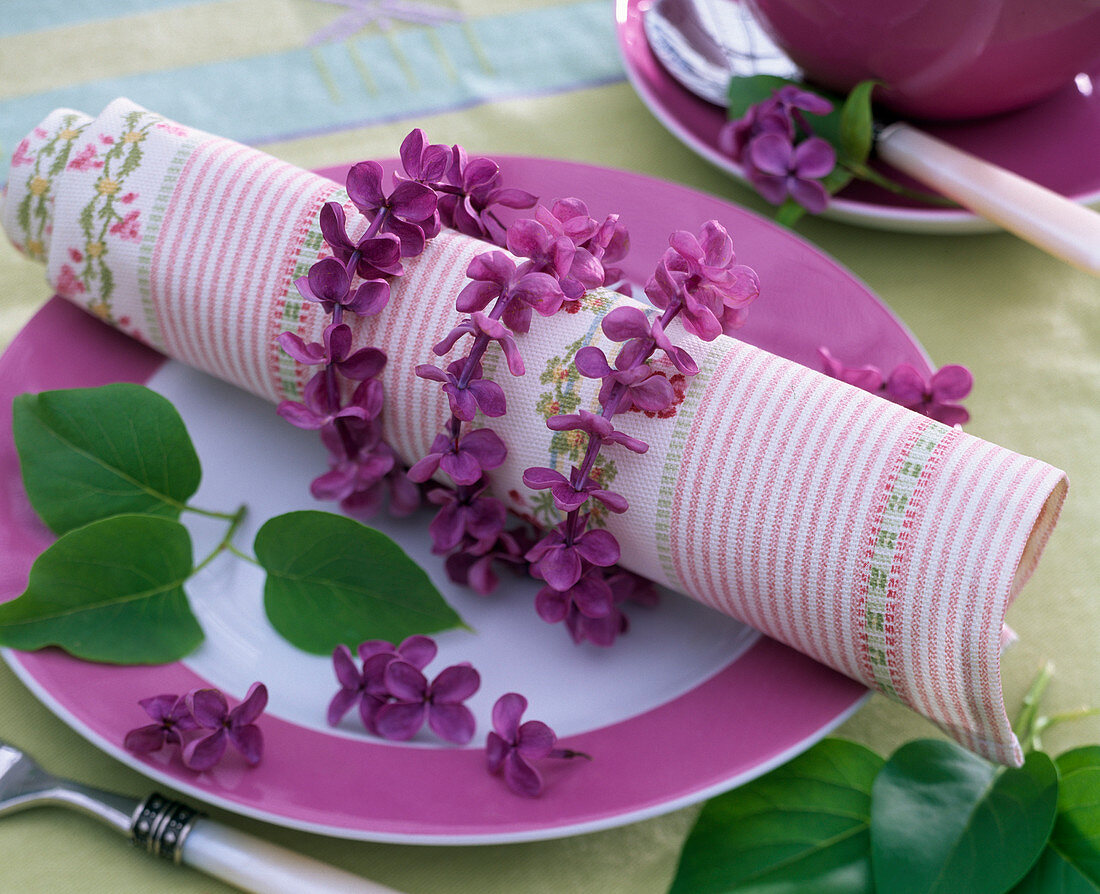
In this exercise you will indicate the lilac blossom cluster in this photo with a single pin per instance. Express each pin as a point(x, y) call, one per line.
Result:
point(936, 396)
point(699, 282)
point(394, 696)
point(440, 186)
point(201, 724)
point(562, 252)
point(776, 146)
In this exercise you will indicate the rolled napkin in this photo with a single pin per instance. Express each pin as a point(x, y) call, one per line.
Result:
point(880, 542)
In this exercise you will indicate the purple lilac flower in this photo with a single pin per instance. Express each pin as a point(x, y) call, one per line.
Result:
point(423, 162)
point(560, 562)
point(366, 687)
point(376, 255)
point(320, 406)
point(438, 702)
point(471, 565)
point(486, 329)
point(702, 274)
point(776, 146)
point(211, 712)
point(513, 747)
point(778, 169)
point(869, 378)
point(409, 212)
point(495, 276)
point(555, 242)
point(350, 475)
point(699, 280)
point(935, 397)
point(468, 394)
point(640, 386)
point(171, 717)
point(569, 496)
point(591, 595)
point(465, 513)
point(471, 187)
point(329, 284)
point(464, 459)
point(366, 363)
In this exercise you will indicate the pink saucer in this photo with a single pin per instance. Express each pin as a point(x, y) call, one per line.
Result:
point(1052, 143)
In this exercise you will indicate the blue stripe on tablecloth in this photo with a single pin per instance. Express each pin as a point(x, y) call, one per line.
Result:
point(22, 16)
point(372, 78)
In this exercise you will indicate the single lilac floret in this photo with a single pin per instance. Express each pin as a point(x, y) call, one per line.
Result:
point(465, 460)
point(560, 563)
point(171, 717)
point(569, 496)
point(513, 747)
point(867, 377)
point(440, 702)
point(377, 255)
point(238, 726)
point(465, 513)
point(466, 398)
point(935, 397)
point(779, 169)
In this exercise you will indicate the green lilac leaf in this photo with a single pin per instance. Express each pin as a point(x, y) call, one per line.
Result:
point(802, 827)
point(90, 453)
point(856, 124)
point(945, 820)
point(332, 580)
point(1070, 863)
point(110, 591)
point(745, 92)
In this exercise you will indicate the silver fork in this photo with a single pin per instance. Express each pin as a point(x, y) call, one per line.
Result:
point(177, 832)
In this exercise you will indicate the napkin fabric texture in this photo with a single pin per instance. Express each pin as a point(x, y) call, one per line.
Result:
point(877, 541)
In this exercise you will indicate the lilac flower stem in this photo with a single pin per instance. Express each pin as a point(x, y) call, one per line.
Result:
point(332, 384)
point(224, 544)
point(573, 526)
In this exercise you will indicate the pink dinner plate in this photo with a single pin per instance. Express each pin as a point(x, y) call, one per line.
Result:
point(1052, 143)
point(686, 705)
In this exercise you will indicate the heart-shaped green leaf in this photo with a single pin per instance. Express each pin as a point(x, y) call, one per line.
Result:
point(1070, 863)
point(90, 453)
point(332, 580)
point(944, 820)
point(109, 591)
point(802, 827)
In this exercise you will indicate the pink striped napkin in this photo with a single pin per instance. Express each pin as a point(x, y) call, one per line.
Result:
point(875, 540)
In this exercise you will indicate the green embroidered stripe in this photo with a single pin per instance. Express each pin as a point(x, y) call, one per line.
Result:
point(153, 223)
point(673, 460)
point(885, 550)
point(292, 312)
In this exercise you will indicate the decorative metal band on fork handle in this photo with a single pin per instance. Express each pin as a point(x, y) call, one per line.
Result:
point(161, 825)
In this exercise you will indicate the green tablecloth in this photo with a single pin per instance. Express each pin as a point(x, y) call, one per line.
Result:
point(540, 78)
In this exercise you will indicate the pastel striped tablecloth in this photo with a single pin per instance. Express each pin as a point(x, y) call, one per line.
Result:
point(879, 542)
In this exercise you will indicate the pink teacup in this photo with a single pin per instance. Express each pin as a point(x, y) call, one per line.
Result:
point(939, 59)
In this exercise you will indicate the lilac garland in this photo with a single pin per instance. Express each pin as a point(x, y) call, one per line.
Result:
point(440, 186)
point(698, 281)
point(564, 252)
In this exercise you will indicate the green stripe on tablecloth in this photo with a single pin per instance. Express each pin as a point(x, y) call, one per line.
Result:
point(371, 78)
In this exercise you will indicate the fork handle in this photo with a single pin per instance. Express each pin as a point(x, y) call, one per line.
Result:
point(1034, 213)
point(252, 864)
point(174, 830)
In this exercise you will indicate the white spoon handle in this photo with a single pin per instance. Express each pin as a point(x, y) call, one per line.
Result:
point(252, 864)
point(1034, 213)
